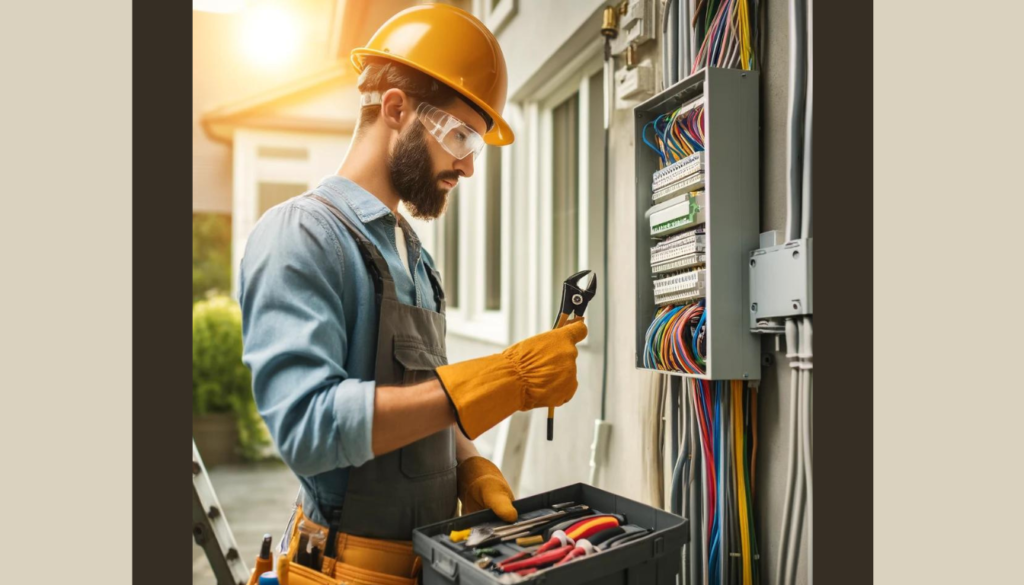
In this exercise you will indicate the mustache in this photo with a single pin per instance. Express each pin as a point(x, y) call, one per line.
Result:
point(448, 176)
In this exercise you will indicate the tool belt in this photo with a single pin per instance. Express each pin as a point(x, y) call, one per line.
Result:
point(359, 561)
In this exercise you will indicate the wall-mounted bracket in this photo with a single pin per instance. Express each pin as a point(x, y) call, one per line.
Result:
point(780, 282)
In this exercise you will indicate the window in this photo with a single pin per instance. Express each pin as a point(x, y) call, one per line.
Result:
point(474, 249)
point(565, 183)
point(496, 14)
point(565, 193)
point(450, 262)
point(492, 231)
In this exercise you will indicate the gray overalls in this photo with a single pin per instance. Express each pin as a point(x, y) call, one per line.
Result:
point(413, 486)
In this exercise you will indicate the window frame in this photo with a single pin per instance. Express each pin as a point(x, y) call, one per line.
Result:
point(471, 320)
point(556, 92)
point(497, 17)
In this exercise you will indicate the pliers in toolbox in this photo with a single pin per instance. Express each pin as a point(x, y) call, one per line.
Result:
point(574, 304)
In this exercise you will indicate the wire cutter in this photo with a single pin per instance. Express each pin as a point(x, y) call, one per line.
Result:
point(574, 304)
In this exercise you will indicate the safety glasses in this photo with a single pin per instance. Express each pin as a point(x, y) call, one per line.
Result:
point(457, 138)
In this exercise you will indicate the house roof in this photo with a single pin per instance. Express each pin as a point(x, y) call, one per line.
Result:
point(281, 108)
point(317, 102)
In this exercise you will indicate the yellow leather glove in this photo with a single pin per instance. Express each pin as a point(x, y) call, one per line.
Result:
point(536, 372)
point(482, 486)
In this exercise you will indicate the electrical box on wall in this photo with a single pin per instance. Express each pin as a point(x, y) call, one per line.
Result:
point(633, 84)
point(697, 176)
point(636, 24)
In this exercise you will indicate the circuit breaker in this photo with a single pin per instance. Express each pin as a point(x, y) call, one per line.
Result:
point(697, 219)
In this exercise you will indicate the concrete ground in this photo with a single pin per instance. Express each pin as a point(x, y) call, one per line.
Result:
point(256, 499)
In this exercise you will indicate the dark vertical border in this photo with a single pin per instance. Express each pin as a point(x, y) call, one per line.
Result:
point(161, 356)
point(843, 369)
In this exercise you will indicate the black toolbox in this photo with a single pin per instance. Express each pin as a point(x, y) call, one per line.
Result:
point(653, 559)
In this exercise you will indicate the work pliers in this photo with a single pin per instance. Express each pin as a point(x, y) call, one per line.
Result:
point(574, 304)
point(574, 298)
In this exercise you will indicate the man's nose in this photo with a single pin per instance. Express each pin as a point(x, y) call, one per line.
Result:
point(464, 166)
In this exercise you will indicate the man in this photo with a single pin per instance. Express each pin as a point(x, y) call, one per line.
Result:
point(343, 312)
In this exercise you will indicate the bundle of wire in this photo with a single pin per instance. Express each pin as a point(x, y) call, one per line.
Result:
point(677, 134)
point(726, 33)
point(726, 423)
point(676, 339)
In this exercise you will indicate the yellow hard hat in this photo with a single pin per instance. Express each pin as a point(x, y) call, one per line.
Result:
point(452, 46)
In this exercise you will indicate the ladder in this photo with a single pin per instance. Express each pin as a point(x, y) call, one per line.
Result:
point(210, 528)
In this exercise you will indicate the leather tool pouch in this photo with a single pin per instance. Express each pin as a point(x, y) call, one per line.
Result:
point(360, 561)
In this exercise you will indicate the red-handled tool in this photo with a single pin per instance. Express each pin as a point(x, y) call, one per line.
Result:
point(516, 557)
point(547, 558)
point(583, 548)
point(582, 529)
point(559, 538)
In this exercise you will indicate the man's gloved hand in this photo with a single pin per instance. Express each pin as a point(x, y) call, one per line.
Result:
point(536, 372)
point(482, 486)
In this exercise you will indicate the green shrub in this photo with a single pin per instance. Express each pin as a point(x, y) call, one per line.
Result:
point(211, 254)
point(220, 381)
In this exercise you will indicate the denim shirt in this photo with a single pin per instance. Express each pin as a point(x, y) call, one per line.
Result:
point(308, 323)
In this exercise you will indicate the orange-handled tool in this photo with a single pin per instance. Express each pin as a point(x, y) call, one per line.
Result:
point(574, 303)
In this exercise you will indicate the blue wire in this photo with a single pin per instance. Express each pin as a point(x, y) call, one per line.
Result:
point(643, 135)
point(700, 324)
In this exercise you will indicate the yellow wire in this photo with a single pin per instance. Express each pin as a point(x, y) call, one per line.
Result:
point(737, 417)
point(743, 16)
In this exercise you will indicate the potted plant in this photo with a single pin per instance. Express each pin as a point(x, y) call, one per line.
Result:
point(225, 424)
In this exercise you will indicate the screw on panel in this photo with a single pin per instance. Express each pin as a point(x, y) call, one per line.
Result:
point(796, 305)
point(796, 254)
point(767, 360)
point(753, 307)
point(753, 262)
point(232, 554)
point(214, 512)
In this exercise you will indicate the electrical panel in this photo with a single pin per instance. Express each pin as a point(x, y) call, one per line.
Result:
point(697, 182)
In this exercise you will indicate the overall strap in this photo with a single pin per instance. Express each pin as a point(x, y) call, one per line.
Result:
point(435, 283)
point(376, 265)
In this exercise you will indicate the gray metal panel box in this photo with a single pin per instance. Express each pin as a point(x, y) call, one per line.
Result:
point(731, 139)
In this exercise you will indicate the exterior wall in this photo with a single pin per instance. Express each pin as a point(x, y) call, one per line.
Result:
point(538, 33)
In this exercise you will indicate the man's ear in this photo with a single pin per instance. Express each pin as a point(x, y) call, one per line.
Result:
point(394, 108)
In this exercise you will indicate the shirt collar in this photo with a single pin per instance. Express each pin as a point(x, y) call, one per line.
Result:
point(366, 207)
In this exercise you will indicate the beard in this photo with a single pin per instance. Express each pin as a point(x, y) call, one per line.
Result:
point(413, 177)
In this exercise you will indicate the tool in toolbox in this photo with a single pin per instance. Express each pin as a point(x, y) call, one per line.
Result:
point(579, 530)
point(596, 543)
point(583, 548)
point(632, 533)
point(574, 304)
point(537, 561)
point(482, 535)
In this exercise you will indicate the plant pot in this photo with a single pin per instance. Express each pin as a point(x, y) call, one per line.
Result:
point(216, 437)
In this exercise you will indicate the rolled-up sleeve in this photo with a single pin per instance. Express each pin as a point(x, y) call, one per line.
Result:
point(294, 336)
